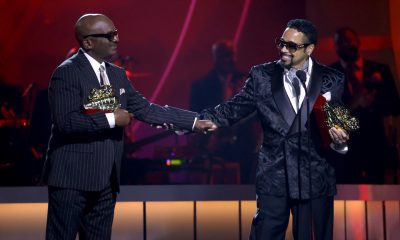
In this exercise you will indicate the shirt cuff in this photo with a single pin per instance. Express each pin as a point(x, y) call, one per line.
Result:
point(341, 149)
point(111, 119)
point(194, 123)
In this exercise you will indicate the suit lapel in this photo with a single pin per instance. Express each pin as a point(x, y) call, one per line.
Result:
point(116, 83)
point(86, 70)
point(314, 90)
point(111, 75)
point(280, 96)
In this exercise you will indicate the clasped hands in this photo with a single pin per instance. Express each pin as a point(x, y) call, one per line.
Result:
point(203, 126)
point(123, 118)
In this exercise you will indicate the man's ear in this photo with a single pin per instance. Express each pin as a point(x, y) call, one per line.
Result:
point(310, 49)
point(87, 44)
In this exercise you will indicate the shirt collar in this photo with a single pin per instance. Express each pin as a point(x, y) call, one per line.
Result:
point(94, 63)
point(308, 68)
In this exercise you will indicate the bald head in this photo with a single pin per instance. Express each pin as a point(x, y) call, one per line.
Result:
point(90, 23)
point(97, 36)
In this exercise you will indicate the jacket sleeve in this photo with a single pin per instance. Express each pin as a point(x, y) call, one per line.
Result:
point(237, 108)
point(66, 104)
point(151, 113)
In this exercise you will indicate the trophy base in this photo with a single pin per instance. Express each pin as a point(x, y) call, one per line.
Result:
point(319, 116)
point(101, 100)
point(93, 110)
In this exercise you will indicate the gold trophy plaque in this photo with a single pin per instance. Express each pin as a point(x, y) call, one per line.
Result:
point(101, 99)
point(328, 115)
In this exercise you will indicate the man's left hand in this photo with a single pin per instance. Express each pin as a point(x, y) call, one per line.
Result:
point(339, 136)
point(205, 126)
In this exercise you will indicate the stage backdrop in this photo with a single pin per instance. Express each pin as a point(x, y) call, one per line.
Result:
point(169, 43)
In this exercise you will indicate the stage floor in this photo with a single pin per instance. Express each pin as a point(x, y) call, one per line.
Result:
point(204, 212)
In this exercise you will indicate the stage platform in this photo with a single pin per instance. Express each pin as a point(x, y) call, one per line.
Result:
point(204, 212)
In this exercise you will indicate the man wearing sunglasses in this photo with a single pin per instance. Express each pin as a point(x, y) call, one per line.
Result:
point(293, 174)
point(85, 149)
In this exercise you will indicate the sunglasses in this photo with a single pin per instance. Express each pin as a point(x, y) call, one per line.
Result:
point(110, 36)
point(290, 46)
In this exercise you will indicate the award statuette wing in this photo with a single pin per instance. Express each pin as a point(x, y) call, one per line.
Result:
point(101, 99)
point(328, 115)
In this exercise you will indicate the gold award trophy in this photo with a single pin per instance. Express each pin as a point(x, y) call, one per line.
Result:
point(328, 115)
point(101, 99)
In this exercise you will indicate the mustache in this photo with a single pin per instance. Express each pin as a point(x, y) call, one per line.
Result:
point(285, 54)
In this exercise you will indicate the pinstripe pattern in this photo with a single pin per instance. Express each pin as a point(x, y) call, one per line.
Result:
point(72, 211)
point(83, 149)
point(84, 153)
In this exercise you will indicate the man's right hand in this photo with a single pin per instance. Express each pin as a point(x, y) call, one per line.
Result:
point(122, 117)
point(205, 126)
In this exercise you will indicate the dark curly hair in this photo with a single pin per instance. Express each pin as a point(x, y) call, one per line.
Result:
point(306, 27)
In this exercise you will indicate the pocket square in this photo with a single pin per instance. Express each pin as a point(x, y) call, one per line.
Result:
point(327, 96)
point(121, 91)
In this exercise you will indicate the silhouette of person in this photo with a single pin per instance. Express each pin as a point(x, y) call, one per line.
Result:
point(237, 144)
point(370, 93)
point(15, 163)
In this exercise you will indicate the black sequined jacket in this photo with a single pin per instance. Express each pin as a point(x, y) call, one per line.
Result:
point(278, 169)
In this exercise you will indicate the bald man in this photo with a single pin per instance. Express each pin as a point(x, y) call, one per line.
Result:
point(85, 150)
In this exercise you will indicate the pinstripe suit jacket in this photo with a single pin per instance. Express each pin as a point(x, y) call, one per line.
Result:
point(84, 152)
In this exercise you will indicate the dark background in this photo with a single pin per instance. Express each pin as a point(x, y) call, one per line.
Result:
point(169, 43)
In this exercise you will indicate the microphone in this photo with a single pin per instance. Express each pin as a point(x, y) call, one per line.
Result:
point(302, 77)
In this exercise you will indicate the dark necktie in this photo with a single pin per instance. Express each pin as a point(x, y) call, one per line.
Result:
point(354, 84)
point(103, 76)
point(296, 87)
point(294, 81)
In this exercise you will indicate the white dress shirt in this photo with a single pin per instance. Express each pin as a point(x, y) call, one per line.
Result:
point(293, 98)
point(96, 66)
point(289, 87)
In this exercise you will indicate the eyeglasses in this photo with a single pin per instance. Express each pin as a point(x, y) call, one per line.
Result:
point(110, 36)
point(290, 46)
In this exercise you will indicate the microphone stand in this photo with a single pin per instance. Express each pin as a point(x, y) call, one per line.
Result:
point(297, 91)
point(303, 79)
point(309, 159)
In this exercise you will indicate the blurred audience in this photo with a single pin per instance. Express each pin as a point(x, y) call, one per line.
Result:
point(10, 101)
point(40, 128)
point(16, 160)
point(370, 93)
point(239, 143)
